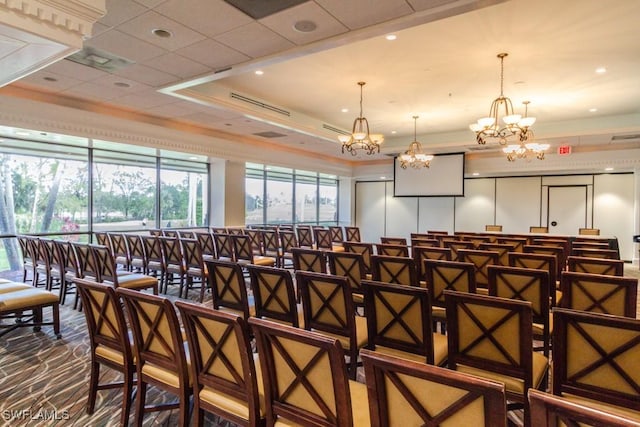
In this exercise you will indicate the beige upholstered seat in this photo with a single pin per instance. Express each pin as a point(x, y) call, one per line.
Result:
point(108, 273)
point(408, 393)
point(599, 294)
point(15, 304)
point(306, 379)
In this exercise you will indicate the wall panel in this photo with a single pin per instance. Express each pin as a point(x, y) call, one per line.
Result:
point(613, 209)
point(370, 210)
point(517, 203)
point(401, 214)
point(477, 208)
point(435, 213)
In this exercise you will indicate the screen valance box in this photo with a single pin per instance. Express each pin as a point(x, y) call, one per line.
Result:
point(444, 177)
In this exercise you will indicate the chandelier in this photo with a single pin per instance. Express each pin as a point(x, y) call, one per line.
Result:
point(525, 150)
point(360, 137)
point(414, 156)
point(501, 107)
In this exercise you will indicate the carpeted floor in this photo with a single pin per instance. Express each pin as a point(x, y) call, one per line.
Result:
point(44, 381)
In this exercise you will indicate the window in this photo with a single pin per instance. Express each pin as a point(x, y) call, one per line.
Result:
point(183, 195)
point(328, 201)
point(306, 196)
point(279, 195)
point(254, 194)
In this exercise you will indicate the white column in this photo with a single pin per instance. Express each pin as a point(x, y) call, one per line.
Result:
point(227, 193)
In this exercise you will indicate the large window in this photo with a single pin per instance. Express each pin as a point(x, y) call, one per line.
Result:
point(277, 195)
point(183, 199)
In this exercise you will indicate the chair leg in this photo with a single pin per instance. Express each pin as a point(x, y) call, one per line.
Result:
point(140, 402)
point(127, 397)
point(93, 386)
point(185, 410)
point(55, 311)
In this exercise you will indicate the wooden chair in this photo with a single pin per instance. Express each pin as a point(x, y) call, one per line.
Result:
point(328, 308)
point(526, 284)
point(225, 379)
point(255, 237)
point(364, 249)
point(26, 251)
point(608, 267)
point(398, 391)
point(288, 241)
point(274, 294)
point(422, 253)
point(557, 251)
point(503, 250)
point(595, 253)
point(137, 255)
point(393, 240)
point(305, 236)
point(599, 294)
point(174, 264)
point(87, 263)
point(243, 252)
point(186, 234)
point(491, 337)
point(305, 259)
point(102, 238)
point(390, 249)
point(517, 243)
point(271, 246)
point(196, 271)
point(224, 246)
point(352, 234)
point(351, 266)
point(447, 275)
point(322, 237)
point(155, 262)
point(71, 266)
point(109, 341)
point(589, 231)
point(228, 287)
point(421, 242)
point(399, 323)
point(595, 361)
point(538, 229)
point(394, 269)
point(159, 352)
point(306, 380)
point(540, 262)
point(481, 261)
point(120, 250)
point(207, 245)
point(337, 235)
point(548, 410)
point(68, 267)
point(494, 228)
point(455, 246)
point(108, 273)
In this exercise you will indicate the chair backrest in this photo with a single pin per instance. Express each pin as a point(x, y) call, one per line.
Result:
point(136, 250)
point(222, 230)
point(235, 230)
point(538, 229)
point(455, 246)
point(88, 267)
point(393, 240)
point(398, 389)
point(193, 258)
point(322, 237)
point(589, 231)
point(448, 275)
point(102, 238)
point(364, 249)
point(228, 288)
point(525, 284)
point(595, 357)
point(207, 244)
point(399, 317)
point(394, 269)
point(274, 294)
point(421, 253)
point(304, 374)
point(337, 235)
point(557, 251)
point(599, 294)
point(548, 410)
point(481, 261)
point(438, 232)
point(221, 361)
point(609, 267)
point(390, 249)
point(517, 243)
point(503, 250)
point(255, 236)
point(68, 256)
point(309, 260)
point(186, 234)
point(157, 336)
point(242, 248)
point(270, 242)
point(352, 234)
point(107, 268)
point(224, 246)
point(288, 240)
point(422, 241)
point(539, 261)
point(120, 249)
point(153, 249)
point(305, 236)
point(349, 265)
point(170, 233)
point(492, 227)
point(172, 251)
point(595, 253)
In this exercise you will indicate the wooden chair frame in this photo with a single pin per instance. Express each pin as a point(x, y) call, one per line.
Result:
point(305, 259)
point(274, 294)
point(304, 235)
point(608, 267)
point(337, 234)
point(599, 294)
point(228, 287)
point(390, 249)
point(349, 265)
point(352, 234)
point(481, 261)
point(394, 269)
point(393, 240)
point(364, 249)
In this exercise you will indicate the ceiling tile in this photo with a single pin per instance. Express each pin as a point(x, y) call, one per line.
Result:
point(119, 11)
point(98, 28)
point(146, 75)
point(150, 3)
point(121, 44)
point(175, 109)
point(212, 18)
point(213, 54)
point(428, 4)
point(61, 82)
point(92, 91)
point(361, 13)
point(145, 100)
point(142, 27)
point(213, 118)
point(111, 79)
point(75, 70)
point(283, 23)
point(179, 65)
point(255, 40)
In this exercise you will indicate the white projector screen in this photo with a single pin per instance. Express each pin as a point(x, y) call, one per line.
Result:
point(444, 177)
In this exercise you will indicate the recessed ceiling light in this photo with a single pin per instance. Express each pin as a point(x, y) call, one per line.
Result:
point(50, 79)
point(305, 26)
point(609, 169)
point(601, 70)
point(383, 177)
point(391, 37)
point(122, 84)
point(165, 34)
point(394, 132)
point(22, 133)
point(193, 158)
point(475, 174)
point(259, 72)
point(345, 110)
point(593, 110)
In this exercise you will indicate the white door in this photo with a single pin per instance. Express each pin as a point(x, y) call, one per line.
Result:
point(567, 209)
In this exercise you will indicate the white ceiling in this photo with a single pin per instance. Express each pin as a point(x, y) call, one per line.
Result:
point(442, 67)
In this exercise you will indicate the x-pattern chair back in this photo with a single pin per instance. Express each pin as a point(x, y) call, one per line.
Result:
point(255, 237)
point(455, 246)
point(607, 267)
point(337, 236)
point(193, 254)
point(242, 248)
point(120, 249)
point(503, 250)
point(305, 236)
point(481, 260)
point(206, 243)
point(102, 238)
point(305, 378)
point(422, 253)
point(353, 234)
point(596, 253)
point(327, 303)
point(309, 260)
point(323, 238)
point(599, 294)
point(399, 317)
point(557, 251)
point(288, 240)
point(153, 249)
point(448, 275)
point(228, 288)
point(349, 265)
point(393, 240)
point(69, 259)
point(394, 269)
point(364, 249)
point(172, 249)
point(390, 249)
point(538, 261)
point(517, 243)
point(274, 294)
point(87, 264)
point(221, 360)
point(397, 390)
point(136, 250)
point(595, 357)
point(107, 269)
point(224, 246)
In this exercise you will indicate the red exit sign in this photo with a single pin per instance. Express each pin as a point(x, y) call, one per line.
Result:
point(564, 150)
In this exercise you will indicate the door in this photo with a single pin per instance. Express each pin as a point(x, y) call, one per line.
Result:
point(567, 209)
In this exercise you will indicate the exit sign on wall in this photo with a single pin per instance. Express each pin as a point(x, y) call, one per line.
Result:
point(564, 150)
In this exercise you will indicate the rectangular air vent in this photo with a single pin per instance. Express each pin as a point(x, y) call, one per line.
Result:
point(334, 129)
point(260, 104)
point(624, 137)
point(269, 134)
point(95, 58)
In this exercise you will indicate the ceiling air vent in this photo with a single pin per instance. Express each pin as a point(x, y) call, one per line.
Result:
point(334, 129)
point(95, 58)
point(269, 134)
point(260, 104)
point(624, 137)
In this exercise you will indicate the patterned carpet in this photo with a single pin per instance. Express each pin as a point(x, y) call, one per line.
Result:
point(44, 381)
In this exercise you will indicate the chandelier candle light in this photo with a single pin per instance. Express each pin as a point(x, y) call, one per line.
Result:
point(415, 156)
point(525, 150)
point(361, 138)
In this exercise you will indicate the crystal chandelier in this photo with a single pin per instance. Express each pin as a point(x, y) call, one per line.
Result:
point(414, 156)
point(501, 108)
point(360, 137)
